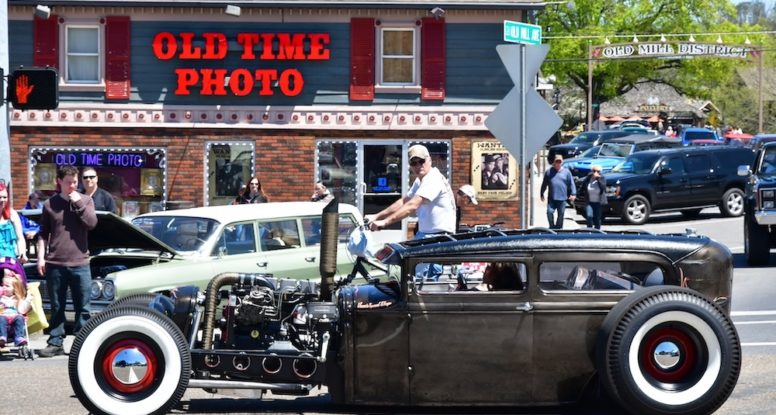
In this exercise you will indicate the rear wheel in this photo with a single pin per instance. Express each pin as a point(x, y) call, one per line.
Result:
point(129, 360)
point(732, 203)
point(757, 244)
point(668, 350)
point(636, 210)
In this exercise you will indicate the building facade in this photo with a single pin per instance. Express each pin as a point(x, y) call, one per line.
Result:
point(180, 103)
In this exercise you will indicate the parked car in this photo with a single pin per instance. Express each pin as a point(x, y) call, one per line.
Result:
point(282, 239)
point(685, 179)
point(115, 244)
point(690, 134)
point(571, 316)
point(613, 152)
point(760, 205)
point(583, 142)
point(760, 139)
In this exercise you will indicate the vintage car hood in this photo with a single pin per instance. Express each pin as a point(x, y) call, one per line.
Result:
point(115, 233)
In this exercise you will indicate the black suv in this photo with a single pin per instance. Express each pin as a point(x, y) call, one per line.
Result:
point(759, 205)
point(582, 142)
point(686, 179)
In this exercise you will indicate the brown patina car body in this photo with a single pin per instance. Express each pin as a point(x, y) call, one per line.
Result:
point(637, 318)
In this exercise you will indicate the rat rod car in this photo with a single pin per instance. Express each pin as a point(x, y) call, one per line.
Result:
point(638, 318)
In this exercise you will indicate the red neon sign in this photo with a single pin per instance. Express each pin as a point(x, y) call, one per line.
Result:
point(253, 46)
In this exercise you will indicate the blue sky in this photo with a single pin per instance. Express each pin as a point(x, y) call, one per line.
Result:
point(768, 3)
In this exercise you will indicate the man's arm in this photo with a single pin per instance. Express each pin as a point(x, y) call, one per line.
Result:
point(570, 180)
point(386, 212)
point(85, 210)
point(545, 183)
point(407, 208)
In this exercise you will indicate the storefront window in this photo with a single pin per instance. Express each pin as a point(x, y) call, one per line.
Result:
point(136, 177)
point(337, 169)
point(229, 165)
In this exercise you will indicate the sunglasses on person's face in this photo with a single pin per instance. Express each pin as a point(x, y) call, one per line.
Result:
point(417, 162)
point(254, 184)
point(596, 171)
point(89, 177)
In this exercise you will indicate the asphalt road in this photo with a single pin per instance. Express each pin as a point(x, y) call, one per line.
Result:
point(42, 386)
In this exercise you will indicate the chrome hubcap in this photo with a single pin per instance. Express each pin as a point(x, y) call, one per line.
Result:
point(129, 366)
point(667, 355)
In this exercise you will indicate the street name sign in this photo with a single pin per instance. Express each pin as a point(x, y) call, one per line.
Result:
point(541, 121)
point(518, 32)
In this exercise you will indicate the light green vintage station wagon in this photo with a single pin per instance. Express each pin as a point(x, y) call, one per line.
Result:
point(277, 238)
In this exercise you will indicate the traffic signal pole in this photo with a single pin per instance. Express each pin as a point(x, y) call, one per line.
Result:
point(5, 118)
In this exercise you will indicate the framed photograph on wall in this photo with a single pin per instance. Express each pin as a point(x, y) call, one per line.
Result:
point(494, 171)
point(45, 176)
point(150, 182)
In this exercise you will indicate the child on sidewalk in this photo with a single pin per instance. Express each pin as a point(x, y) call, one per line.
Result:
point(14, 304)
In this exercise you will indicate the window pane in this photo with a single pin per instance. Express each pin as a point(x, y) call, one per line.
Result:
point(337, 169)
point(82, 40)
point(237, 239)
point(229, 165)
point(82, 68)
point(397, 70)
point(398, 42)
point(278, 235)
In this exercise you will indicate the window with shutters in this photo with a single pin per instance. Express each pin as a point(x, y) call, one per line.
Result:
point(82, 55)
point(398, 60)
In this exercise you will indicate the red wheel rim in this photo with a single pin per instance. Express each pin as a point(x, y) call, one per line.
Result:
point(137, 384)
point(688, 354)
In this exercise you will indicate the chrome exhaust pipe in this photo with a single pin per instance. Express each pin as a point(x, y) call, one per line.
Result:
point(305, 368)
point(272, 365)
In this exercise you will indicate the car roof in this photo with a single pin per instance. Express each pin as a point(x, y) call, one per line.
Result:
point(695, 149)
point(673, 246)
point(645, 138)
point(236, 213)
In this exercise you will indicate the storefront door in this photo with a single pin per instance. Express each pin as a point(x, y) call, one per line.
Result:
point(383, 183)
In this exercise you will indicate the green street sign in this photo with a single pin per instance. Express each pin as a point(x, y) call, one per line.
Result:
point(517, 32)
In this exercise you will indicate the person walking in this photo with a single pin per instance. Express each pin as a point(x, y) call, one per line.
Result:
point(101, 198)
point(65, 222)
point(321, 194)
point(561, 189)
point(253, 193)
point(33, 200)
point(13, 245)
point(430, 197)
point(594, 188)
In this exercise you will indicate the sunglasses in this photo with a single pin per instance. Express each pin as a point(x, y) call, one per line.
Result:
point(89, 177)
point(254, 184)
point(417, 162)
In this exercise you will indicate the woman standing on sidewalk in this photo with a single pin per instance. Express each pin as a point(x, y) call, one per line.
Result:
point(594, 188)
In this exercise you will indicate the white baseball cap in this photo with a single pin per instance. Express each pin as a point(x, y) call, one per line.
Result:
point(468, 191)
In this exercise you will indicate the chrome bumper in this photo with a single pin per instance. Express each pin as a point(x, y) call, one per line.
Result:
point(767, 217)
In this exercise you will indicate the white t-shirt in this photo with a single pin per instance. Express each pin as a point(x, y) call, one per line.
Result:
point(437, 212)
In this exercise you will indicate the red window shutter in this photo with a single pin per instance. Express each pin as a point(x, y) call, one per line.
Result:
point(117, 48)
point(432, 62)
point(45, 41)
point(362, 59)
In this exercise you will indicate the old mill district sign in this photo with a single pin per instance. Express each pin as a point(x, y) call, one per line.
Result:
point(668, 49)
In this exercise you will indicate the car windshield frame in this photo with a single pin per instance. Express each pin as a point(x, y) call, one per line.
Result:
point(638, 163)
point(615, 150)
point(186, 234)
point(584, 138)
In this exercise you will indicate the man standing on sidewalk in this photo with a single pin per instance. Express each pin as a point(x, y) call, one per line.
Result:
point(562, 188)
point(65, 222)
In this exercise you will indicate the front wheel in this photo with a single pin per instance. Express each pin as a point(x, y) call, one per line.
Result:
point(757, 244)
point(668, 350)
point(732, 203)
point(129, 360)
point(636, 210)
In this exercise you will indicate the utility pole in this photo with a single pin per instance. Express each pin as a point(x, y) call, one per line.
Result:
point(589, 86)
point(760, 90)
point(5, 118)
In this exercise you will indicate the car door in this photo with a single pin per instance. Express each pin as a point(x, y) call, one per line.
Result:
point(281, 251)
point(705, 179)
point(311, 240)
point(236, 249)
point(671, 185)
point(468, 346)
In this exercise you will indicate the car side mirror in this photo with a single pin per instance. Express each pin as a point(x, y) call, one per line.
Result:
point(744, 170)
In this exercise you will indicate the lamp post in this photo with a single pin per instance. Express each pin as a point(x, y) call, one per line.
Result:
point(589, 125)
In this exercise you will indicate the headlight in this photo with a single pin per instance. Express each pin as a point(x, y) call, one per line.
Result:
point(767, 194)
point(768, 204)
point(95, 290)
point(612, 190)
point(108, 290)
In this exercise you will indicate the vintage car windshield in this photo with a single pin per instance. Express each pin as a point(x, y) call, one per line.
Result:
point(584, 138)
point(185, 234)
point(637, 163)
point(615, 150)
point(590, 152)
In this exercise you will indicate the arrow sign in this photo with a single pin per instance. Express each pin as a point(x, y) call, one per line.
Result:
point(505, 122)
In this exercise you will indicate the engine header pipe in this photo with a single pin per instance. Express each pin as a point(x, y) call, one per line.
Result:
point(329, 236)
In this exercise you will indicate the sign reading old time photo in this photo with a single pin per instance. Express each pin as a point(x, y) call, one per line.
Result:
point(494, 171)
